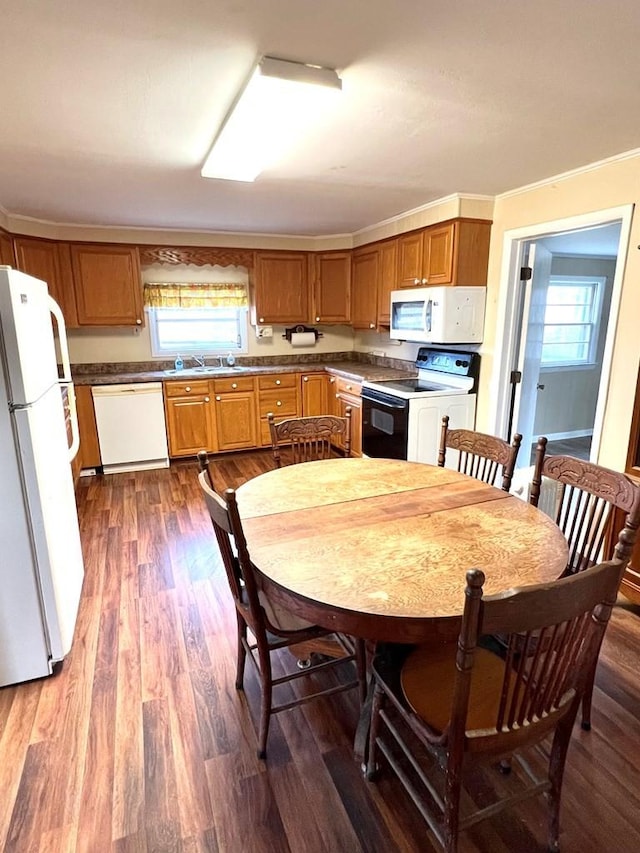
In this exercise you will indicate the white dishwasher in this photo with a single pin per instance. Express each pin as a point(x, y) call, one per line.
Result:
point(131, 426)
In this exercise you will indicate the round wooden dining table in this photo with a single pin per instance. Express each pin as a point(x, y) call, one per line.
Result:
point(379, 548)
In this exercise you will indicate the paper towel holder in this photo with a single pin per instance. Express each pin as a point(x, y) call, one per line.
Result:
point(295, 329)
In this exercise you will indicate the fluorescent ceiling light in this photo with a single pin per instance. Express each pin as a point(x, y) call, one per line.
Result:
point(279, 103)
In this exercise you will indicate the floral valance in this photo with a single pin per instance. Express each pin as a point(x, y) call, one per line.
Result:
point(186, 295)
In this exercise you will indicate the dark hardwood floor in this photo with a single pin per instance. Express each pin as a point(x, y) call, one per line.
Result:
point(140, 742)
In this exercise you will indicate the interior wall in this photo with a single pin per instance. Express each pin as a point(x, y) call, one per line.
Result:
point(611, 184)
point(91, 346)
point(567, 405)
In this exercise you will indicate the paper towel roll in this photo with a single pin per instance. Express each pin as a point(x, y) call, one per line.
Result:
point(303, 339)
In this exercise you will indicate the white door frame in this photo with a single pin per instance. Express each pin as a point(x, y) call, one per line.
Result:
point(506, 338)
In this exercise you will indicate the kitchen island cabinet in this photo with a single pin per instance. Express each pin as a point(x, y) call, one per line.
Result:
point(188, 412)
point(281, 288)
point(108, 284)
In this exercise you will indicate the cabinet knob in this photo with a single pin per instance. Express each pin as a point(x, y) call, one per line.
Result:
point(187, 388)
point(333, 379)
point(218, 398)
point(261, 319)
point(206, 399)
point(138, 322)
point(349, 388)
point(305, 378)
point(372, 325)
point(317, 319)
point(234, 384)
point(425, 280)
point(278, 382)
point(278, 402)
point(416, 281)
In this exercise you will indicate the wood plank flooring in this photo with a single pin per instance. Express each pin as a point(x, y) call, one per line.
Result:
point(140, 741)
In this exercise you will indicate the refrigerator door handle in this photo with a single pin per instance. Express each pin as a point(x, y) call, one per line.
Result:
point(65, 380)
point(62, 339)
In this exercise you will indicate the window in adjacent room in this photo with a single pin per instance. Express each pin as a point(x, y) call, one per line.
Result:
point(572, 321)
point(203, 319)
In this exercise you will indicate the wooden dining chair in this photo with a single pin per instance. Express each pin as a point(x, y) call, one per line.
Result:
point(480, 455)
point(447, 706)
point(272, 626)
point(584, 497)
point(310, 438)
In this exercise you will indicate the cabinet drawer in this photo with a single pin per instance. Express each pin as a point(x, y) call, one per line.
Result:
point(277, 380)
point(283, 403)
point(347, 386)
point(224, 386)
point(185, 389)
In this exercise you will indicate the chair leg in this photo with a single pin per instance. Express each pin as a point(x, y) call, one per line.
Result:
point(557, 761)
point(266, 690)
point(378, 700)
point(587, 697)
point(242, 652)
point(361, 668)
point(451, 816)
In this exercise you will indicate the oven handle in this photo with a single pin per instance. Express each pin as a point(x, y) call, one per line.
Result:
point(383, 399)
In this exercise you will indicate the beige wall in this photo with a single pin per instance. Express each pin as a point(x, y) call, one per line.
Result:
point(609, 185)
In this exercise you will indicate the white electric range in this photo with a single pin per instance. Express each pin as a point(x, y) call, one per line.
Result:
point(402, 418)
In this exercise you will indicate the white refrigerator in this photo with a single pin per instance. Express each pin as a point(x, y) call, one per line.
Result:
point(41, 566)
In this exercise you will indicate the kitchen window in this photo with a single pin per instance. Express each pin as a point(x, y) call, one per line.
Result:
point(207, 319)
point(572, 321)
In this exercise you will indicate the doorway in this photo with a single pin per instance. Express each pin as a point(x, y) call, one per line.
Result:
point(559, 322)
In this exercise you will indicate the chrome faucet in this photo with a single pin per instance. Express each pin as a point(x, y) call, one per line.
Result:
point(199, 360)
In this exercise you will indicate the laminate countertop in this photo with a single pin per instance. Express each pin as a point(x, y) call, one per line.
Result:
point(112, 374)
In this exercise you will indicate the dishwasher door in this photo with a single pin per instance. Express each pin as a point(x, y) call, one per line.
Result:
point(131, 426)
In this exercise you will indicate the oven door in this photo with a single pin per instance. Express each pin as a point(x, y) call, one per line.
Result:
point(385, 425)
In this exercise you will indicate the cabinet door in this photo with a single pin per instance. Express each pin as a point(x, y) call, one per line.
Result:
point(6, 250)
point(388, 253)
point(410, 260)
point(188, 424)
point(49, 261)
point(364, 289)
point(108, 285)
point(281, 288)
point(356, 420)
point(437, 254)
point(236, 420)
point(315, 394)
point(332, 287)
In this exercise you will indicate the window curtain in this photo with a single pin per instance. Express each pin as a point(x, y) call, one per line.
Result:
point(186, 295)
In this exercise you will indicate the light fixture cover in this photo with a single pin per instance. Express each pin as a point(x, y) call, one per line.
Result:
point(279, 103)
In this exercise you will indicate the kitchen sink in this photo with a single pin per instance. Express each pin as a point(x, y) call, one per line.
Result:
point(189, 371)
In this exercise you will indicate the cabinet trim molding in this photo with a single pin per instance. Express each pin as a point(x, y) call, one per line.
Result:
point(196, 255)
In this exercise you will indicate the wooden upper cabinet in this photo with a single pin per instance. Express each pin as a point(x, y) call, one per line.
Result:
point(331, 287)
point(50, 261)
point(108, 284)
point(388, 279)
point(364, 288)
point(7, 257)
point(410, 259)
point(451, 253)
point(281, 288)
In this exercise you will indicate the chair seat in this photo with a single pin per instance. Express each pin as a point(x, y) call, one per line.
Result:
point(428, 678)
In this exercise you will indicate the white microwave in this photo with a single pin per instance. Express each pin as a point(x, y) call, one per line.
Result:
point(438, 315)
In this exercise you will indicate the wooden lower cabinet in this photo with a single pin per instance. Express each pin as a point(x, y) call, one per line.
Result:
point(188, 413)
point(278, 393)
point(348, 393)
point(235, 413)
point(89, 453)
point(630, 586)
point(315, 394)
